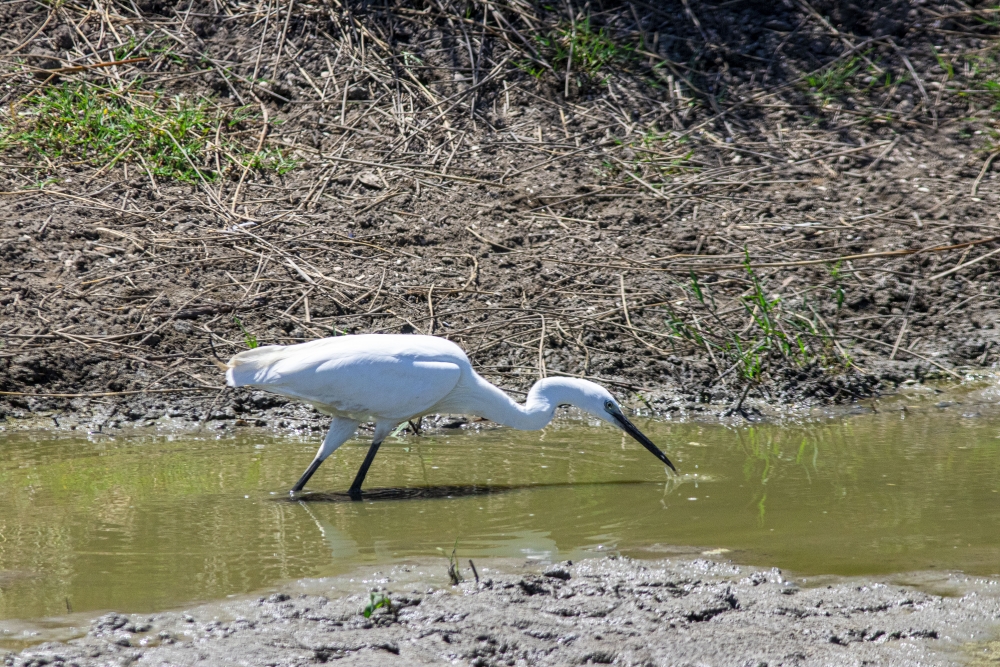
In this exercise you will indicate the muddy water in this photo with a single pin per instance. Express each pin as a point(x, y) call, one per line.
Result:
point(139, 523)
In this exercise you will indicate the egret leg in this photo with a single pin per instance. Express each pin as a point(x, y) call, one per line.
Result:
point(355, 490)
point(340, 430)
point(313, 467)
point(382, 429)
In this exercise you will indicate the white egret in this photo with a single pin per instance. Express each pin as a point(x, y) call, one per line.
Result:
point(389, 379)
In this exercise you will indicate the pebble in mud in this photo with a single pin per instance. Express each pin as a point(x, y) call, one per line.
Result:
point(609, 610)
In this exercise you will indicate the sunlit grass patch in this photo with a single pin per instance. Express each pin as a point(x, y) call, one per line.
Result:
point(185, 139)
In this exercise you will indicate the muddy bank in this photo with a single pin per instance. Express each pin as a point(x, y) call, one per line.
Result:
point(601, 611)
point(766, 201)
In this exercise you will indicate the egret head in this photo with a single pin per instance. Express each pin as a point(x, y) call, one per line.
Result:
point(598, 401)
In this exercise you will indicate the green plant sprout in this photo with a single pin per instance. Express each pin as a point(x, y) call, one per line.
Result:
point(944, 63)
point(376, 602)
point(530, 68)
point(453, 572)
point(838, 291)
point(835, 80)
point(248, 338)
point(583, 49)
point(774, 327)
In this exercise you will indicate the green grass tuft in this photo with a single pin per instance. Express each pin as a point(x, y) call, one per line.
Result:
point(248, 338)
point(591, 50)
point(945, 64)
point(376, 602)
point(836, 79)
point(172, 137)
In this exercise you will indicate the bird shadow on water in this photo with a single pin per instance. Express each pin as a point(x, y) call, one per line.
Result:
point(429, 492)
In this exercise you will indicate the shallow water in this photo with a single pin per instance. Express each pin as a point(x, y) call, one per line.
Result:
point(140, 523)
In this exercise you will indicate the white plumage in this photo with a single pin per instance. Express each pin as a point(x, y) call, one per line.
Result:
point(388, 379)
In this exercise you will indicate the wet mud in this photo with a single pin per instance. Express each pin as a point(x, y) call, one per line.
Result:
point(612, 610)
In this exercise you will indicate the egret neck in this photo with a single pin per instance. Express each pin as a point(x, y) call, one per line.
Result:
point(537, 410)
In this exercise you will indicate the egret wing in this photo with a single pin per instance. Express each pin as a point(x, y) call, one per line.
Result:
point(361, 384)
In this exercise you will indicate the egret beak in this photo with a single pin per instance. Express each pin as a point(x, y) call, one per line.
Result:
point(630, 428)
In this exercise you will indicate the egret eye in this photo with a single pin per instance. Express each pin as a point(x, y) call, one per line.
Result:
point(609, 406)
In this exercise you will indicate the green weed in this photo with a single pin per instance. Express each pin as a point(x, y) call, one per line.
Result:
point(853, 76)
point(757, 304)
point(530, 68)
point(582, 48)
point(835, 80)
point(174, 138)
point(411, 59)
point(696, 288)
point(376, 602)
point(991, 22)
point(667, 165)
point(248, 338)
point(890, 82)
point(984, 62)
point(771, 328)
point(838, 292)
point(945, 64)
point(993, 90)
point(133, 48)
point(983, 68)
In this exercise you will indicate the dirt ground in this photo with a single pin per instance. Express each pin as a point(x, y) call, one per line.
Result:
point(601, 611)
point(703, 206)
